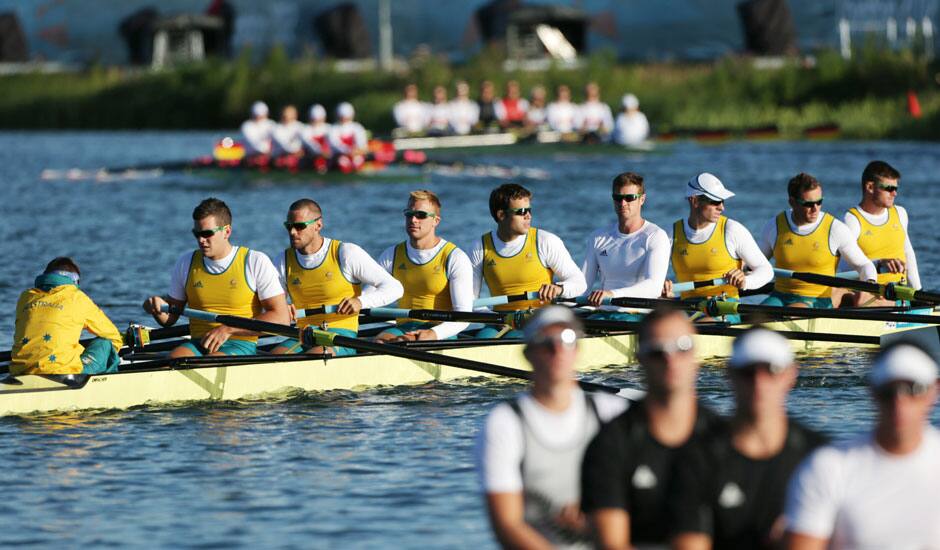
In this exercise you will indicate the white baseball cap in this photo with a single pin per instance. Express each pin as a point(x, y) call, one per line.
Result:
point(345, 110)
point(906, 362)
point(259, 108)
point(761, 346)
point(630, 101)
point(708, 185)
point(317, 112)
point(548, 316)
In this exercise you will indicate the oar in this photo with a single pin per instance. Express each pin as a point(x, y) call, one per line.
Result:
point(890, 291)
point(499, 300)
point(311, 336)
point(715, 308)
point(512, 318)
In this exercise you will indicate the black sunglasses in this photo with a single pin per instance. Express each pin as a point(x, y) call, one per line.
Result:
point(207, 233)
point(808, 204)
point(520, 211)
point(629, 197)
point(300, 226)
point(889, 392)
point(887, 188)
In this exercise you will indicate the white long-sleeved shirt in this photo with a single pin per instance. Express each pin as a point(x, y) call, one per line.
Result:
point(631, 129)
point(379, 288)
point(257, 135)
point(742, 246)
point(551, 250)
point(340, 134)
point(464, 114)
point(910, 260)
point(596, 117)
point(459, 276)
point(312, 133)
point(628, 264)
point(564, 117)
point(439, 117)
point(287, 138)
point(412, 115)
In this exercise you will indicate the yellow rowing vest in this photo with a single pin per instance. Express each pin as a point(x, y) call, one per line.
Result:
point(523, 272)
point(807, 253)
point(320, 286)
point(426, 285)
point(702, 262)
point(882, 241)
point(225, 293)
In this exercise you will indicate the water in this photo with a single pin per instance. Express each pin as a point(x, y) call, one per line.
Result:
point(388, 467)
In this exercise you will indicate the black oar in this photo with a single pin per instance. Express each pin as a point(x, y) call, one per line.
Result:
point(890, 291)
point(313, 337)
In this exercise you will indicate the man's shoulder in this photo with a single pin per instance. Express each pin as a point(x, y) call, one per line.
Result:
point(804, 438)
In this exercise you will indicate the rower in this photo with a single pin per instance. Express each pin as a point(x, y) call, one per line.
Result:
point(530, 448)
point(316, 138)
point(50, 318)
point(707, 245)
point(880, 227)
point(631, 257)
point(257, 131)
point(464, 112)
point(286, 135)
point(439, 113)
point(435, 273)
point(518, 258)
point(596, 120)
point(808, 240)
point(536, 116)
point(631, 127)
point(348, 139)
point(487, 104)
point(562, 115)
point(512, 108)
point(220, 278)
point(411, 115)
point(322, 272)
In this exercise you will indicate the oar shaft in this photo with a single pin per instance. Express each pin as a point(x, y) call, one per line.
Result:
point(499, 300)
point(631, 326)
point(436, 315)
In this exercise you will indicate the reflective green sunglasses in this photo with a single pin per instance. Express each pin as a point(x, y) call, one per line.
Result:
point(300, 226)
point(419, 214)
point(207, 233)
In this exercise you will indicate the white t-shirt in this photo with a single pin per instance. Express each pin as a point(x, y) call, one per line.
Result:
point(913, 277)
point(464, 114)
point(459, 276)
point(536, 116)
point(287, 138)
point(740, 243)
point(563, 117)
point(633, 265)
point(439, 117)
point(260, 273)
point(257, 135)
point(551, 250)
point(501, 442)
point(858, 496)
point(357, 266)
point(596, 117)
point(348, 130)
point(412, 115)
point(841, 242)
point(631, 129)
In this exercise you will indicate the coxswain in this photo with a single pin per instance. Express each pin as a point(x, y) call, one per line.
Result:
point(707, 246)
point(629, 258)
point(487, 104)
point(320, 272)
point(511, 109)
point(881, 229)
point(464, 112)
point(50, 318)
point(562, 115)
point(316, 138)
point(536, 118)
point(730, 493)
point(411, 114)
point(257, 131)
point(529, 451)
point(878, 489)
point(631, 127)
point(435, 273)
point(286, 140)
point(220, 278)
point(597, 122)
point(348, 139)
point(516, 258)
point(628, 469)
point(439, 113)
point(808, 240)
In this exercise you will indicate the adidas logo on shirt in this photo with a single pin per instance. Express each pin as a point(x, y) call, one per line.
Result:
point(296, 281)
point(603, 253)
point(731, 496)
point(643, 477)
point(788, 242)
point(402, 266)
point(198, 284)
point(491, 263)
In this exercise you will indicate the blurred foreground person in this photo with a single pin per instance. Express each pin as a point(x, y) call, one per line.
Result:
point(529, 451)
point(880, 489)
point(730, 491)
point(628, 468)
point(631, 126)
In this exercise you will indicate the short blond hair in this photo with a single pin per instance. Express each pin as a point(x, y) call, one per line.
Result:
point(425, 195)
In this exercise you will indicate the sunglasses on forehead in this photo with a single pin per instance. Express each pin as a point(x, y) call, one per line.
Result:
point(520, 211)
point(300, 226)
point(629, 197)
point(207, 233)
point(418, 214)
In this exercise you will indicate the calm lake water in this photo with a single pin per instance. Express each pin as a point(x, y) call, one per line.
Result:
point(388, 467)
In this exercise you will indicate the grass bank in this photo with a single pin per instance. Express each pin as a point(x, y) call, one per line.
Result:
point(867, 96)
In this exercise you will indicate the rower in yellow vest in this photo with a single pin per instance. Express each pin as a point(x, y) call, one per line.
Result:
point(50, 318)
point(435, 273)
point(808, 240)
point(220, 278)
point(880, 227)
point(327, 275)
point(707, 246)
point(518, 258)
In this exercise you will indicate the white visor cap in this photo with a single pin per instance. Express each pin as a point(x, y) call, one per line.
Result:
point(708, 185)
point(761, 346)
point(317, 112)
point(630, 101)
point(259, 108)
point(345, 110)
point(548, 316)
point(903, 362)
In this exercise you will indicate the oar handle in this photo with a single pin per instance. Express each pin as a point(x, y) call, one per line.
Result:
point(319, 310)
point(512, 318)
point(499, 300)
point(692, 285)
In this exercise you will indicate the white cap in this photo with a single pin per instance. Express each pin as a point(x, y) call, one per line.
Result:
point(548, 316)
point(317, 112)
point(345, 110)
point(903, 362)
point(630, 101)
point(761, 346)
point(708, 185)
point(259, 108)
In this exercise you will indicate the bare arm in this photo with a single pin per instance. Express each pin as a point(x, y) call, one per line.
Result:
point(799, 541)
point(507, 517)
point(692, 541)
point(612, 528)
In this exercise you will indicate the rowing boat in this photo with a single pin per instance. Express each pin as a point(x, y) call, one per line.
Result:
point(146, 382)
